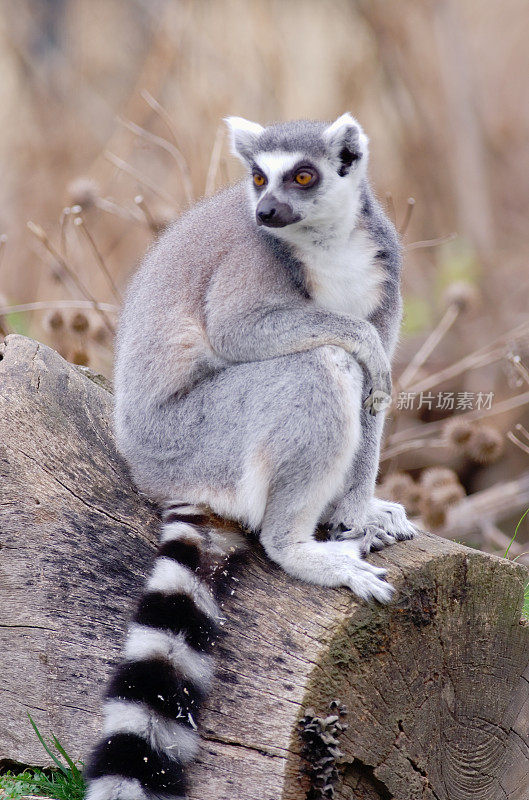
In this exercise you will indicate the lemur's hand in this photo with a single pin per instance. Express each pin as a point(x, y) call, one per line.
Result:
point(377, 400)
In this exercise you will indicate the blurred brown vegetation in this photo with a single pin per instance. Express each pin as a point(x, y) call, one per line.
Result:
point(111, 125)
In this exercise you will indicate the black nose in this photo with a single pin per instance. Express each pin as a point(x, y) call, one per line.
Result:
point(266, 215)
point(274, 214)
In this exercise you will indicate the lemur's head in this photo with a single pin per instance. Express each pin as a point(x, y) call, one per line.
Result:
point(302, 174)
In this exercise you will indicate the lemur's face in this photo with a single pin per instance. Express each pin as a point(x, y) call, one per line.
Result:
point(303, 175)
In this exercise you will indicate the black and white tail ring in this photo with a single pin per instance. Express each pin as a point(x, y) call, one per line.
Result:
point(152, 702)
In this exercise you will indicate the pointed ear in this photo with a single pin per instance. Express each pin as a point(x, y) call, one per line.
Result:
point(347, 143)
point(244, 136)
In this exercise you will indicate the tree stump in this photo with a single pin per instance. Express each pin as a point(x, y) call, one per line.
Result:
point(436, 685)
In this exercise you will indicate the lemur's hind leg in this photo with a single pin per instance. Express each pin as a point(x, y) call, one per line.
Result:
point(287, 536)
point(309, 470)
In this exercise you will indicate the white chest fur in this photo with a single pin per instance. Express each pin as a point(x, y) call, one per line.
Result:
point(343, 274)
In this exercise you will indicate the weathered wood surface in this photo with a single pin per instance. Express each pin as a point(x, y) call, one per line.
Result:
point(436, 685)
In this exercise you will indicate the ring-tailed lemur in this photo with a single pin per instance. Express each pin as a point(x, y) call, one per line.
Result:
point(251, 338)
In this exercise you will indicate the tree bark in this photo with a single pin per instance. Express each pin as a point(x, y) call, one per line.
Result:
point(436, 685)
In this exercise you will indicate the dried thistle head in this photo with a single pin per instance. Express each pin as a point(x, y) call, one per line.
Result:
point(434, 505)
point(100, 333)
point(485, 445)
point(463, 295)
point(80, 356)
point(414, 498)
point(457, 432)
point(401, 488)
point(396, 486)
point(83, 192)
point(438, 498)
point(79, 322)
point(432, 515)
point(53, 321)
point(438, 476)
point(446, 495)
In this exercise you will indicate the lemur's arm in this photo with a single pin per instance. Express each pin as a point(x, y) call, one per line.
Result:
point(266, 330)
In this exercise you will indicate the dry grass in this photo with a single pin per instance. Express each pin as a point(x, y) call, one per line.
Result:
point(111, 112)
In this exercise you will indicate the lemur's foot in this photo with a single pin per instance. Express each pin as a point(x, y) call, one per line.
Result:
point(386, 524)
point(335, 563)
point(365, 580)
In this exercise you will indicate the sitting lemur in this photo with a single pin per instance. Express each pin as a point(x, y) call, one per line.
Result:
point(252, 376)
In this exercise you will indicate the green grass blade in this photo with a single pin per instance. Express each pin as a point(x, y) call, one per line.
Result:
point(59, 784)
point(73, 768)
point(45, 746)
point(516, 532)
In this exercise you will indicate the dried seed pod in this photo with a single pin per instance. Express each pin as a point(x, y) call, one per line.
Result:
point(446, 495)
point(83, 192)
point(100, 333)
point(463, 295)
point(457, 432)
point(79, 322)
point(436, 501)
point(400, 487)
point(432, 515)
point(438, 476)
point(81, 357)
point(395, 486)
point(53, 321)
point(485, 445)
point(414, 498)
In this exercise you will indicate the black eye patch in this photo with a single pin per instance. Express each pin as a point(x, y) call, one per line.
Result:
point(298, 174)
point(259, 179)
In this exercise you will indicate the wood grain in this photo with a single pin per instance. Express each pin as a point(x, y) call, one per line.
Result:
point(436, 685)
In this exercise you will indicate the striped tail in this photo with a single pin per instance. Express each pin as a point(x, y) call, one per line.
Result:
point(152, 701)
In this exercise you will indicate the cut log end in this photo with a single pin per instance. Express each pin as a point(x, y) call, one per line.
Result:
point(436, 685)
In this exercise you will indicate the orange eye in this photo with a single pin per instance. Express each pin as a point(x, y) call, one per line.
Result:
point(259, 179)
point(303, 178)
